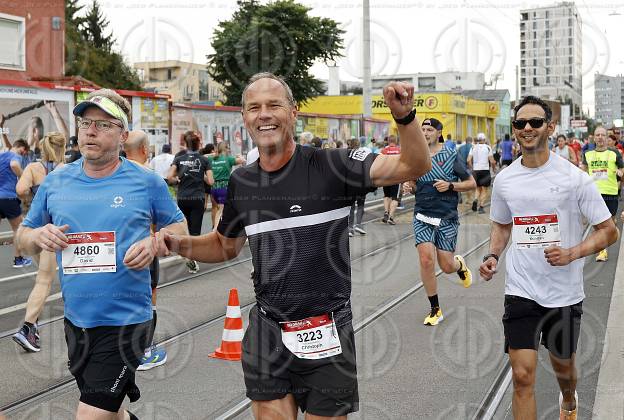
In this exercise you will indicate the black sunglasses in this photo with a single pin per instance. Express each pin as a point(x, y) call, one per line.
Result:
point(533, 122)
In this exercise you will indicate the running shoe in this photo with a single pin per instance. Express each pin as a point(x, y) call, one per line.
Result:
point(359, 229)
point(434, 317)
point(350, 233)
point(391, 221)
point(27, 338)
point(155, 358)
point(192, 266)
point(385, 218)
point(21, 262)
point(602, 256)
point(464, 272)
point(481, 210)
point(474, 205)
point(566, 414)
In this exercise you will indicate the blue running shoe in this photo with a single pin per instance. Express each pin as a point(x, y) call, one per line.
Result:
point(21, 262)
point(156, 358)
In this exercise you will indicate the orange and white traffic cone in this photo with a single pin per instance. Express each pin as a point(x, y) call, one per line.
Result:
point(230, 348)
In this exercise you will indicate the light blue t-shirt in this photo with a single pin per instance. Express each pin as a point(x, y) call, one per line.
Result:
point(127, 203)
point(8, 179)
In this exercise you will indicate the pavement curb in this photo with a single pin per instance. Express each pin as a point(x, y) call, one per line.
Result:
point(609, 402)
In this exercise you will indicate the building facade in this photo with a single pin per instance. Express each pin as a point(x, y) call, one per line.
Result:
point(185, 82)
point(32, 39)
point(551, 54)
point(433, 82)
point(609, 98)
point(461, 116)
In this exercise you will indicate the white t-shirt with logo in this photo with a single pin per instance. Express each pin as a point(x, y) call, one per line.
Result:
point(556, 188)
point(480, 153)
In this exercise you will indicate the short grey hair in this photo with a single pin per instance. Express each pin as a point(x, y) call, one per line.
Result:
point(268, 75)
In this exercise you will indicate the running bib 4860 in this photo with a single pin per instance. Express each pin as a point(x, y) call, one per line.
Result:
point(90, 252)
point(311, 338)
point(539, 231)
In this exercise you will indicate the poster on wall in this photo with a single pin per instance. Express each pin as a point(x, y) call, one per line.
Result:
point(29, 113)
point(376, 130)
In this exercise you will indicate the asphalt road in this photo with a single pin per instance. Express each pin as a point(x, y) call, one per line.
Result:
point(405, 370)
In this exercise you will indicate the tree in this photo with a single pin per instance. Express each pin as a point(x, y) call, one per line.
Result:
point(89, 53)
point(278, 37)
point(94, 26)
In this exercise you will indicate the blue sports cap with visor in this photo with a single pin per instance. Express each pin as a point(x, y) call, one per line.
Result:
point(106, 105)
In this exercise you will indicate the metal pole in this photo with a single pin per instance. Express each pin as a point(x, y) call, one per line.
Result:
point(367, 111)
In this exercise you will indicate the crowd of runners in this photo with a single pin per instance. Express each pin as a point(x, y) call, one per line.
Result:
point(103, 218)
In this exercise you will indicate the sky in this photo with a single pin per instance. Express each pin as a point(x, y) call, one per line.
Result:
point(408, 36)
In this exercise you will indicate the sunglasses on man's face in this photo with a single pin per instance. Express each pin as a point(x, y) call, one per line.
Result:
point(533, 122)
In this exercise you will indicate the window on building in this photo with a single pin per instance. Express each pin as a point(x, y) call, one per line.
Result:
point(570, 41)
point(535, 62)
point(169, 74)
point(547, 52)
point(534, 43)
point(522, 45)
point(12, 45)
point(522, 81)
point(426, 83)
point(534, 25)
point(547, 14)
point(548, 61)
point(458, 77)
point(535, 82)
point(524, 16)
point(547, 80)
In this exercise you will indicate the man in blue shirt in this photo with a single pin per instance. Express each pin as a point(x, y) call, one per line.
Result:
point(436, 222)
point(96, 214)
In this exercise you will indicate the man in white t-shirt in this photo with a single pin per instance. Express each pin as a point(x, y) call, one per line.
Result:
point(480, 158)
point(540, 201)
point(162, 162)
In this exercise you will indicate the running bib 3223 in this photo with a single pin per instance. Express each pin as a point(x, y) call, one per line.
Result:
point(311, 338)
point(90, 252)
point(539, 231)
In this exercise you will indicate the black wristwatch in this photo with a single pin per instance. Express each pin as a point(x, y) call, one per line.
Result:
point(490, 255)
point(451, 187)
point(407, 119)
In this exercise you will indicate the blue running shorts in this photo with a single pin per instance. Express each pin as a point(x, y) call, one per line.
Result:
point(444, 236)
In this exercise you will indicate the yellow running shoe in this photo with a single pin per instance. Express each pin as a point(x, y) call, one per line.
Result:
point(434, 317)
point(464, 272)
point(602, 256)
point(567, 414)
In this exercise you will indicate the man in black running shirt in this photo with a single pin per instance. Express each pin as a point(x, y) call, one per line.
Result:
point(293, 205)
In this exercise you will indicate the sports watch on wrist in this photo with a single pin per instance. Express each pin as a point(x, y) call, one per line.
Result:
point(490, 255)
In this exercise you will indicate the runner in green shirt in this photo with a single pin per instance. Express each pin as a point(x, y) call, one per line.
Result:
point(222, 163)
point(604, 166)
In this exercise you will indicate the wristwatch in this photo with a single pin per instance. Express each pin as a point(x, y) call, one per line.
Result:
point(490, 255)
point(451, 187)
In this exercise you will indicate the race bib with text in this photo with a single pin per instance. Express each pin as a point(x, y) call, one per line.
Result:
point(311, 338)
point(90, 252)
point(539, 231)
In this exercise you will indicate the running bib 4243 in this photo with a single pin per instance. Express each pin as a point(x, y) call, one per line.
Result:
point(311, 338)
point(539, 231)
point(90, 252)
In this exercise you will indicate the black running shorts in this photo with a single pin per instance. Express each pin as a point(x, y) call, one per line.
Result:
point(482, 178)
point(612, 203)
point(325, 387)
point(103, 361)
point(10, 208)
point(525, 321)
point(392, 191)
